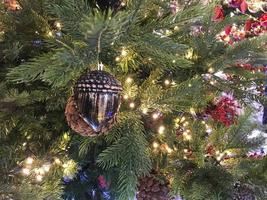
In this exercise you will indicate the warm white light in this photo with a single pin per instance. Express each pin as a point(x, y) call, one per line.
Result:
point(65, 165)
point(168, 149)
point(58, 25)
point(117, 59)
point(50, 33)
point(144, 111)
point(182, 119)
point(124, 52)
point(155, 116)
point(39, 178)
point(149, 59)
point(167, 82)
point(129, 80)
point(46, 167)
point(126, 97)
point(210, 70)
point(176, 28)
point(186, 124)
point(192, 111)
point(155, 145)
point(173, 61)
point(185, 150)
point(57, 161)
point(208, 130)
point(189, 85)
point(132, 105)
point(161, 129)
point(212, 82)
point(41, 171)
point(26, 171)
point(29, 160)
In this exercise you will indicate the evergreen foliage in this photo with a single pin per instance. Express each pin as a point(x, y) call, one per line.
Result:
point(40, 61)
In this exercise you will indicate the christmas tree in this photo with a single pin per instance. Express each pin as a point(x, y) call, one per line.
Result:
point(141, 99)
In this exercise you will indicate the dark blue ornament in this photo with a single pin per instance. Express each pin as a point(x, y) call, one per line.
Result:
point(37, 42)
point(97, 97)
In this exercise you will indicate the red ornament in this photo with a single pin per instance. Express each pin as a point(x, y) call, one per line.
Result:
point(225, 111)
point(219, 14)
point(263, 20)
point(248, 25)
point(243, 6)
point(102, 182)
point(228, 29)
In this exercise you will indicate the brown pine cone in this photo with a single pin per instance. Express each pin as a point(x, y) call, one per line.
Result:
point(76, 122)
point(243, 192)
point(151, 189)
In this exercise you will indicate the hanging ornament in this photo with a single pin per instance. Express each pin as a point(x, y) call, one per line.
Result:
point(226, 110)
point(97, 100)
point(243, 192)
point(12, 5)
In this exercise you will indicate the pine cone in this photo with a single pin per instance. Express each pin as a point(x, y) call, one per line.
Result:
point(243, 192)
point(76, 122)
point(151, 189)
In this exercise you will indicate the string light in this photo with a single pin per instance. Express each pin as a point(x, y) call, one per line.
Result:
point(126, 97)
point(176, 28)
point(26, 171)
point(58, 25)
point(211, 70)
point(132, 105)
point(185, 150)
point(50, 33)
point(124, 52)
point(144, 111)
point(149, 59)
point(173, 83)
point(129, 80)
point(155, 116)
point(189, 85)
point(192, 111)
point(185, 124)
point(167, 82)
point(155, 145)
point(168, 149)
point(117, 59)
point(29, 160)
point(57, 161)
point(161, 129)
point(46, 167)
point(182, 119)
point(173, 61)
point(39, 178)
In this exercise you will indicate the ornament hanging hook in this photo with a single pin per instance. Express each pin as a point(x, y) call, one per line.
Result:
point(99, 65)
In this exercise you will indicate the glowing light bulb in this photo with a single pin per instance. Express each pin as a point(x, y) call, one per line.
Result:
point(124, 52)
point(189, 85)
point(57, 161)
point(50, 33)
point(167, 82)
point(185, 150)
point(41, 171)
point(39, 178)
point(185, 124)
point(161, 129)
point(29, 160)
point(46, 167)
point(208, 130)
point(149, 59)
point(117, 59)
point(192, 111)
point(176, 28)
point(129, 80)
point(126, 97)
point(65, 165)
point(58, 25)
point(155, 116)
point(132, 105)
point(173, 61)
point(155, 145)
point(211, 70)
point(212, 82)
point(168, 149)
point(182, 119)
point(26, 171)
point(173, 83)
point(144, 111)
